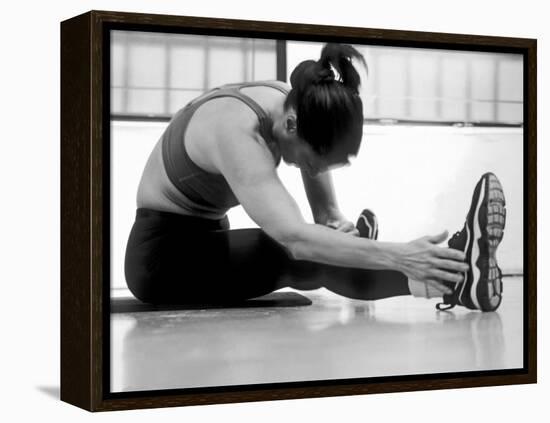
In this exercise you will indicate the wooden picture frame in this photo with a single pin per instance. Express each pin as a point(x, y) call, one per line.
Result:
point(85, 223)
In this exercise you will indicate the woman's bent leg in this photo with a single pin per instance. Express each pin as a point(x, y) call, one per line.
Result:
point(180, 259)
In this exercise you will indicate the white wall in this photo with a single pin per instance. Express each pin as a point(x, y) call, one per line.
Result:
point(30, 216)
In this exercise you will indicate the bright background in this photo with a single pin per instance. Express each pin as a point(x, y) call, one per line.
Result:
point(30, 117)
point(418, 179)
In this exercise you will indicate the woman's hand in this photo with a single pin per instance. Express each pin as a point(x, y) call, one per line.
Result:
point(422, 260)
point(338, 222)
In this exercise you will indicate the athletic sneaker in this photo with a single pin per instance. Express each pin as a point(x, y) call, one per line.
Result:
point(367, 225)
point(483, 230)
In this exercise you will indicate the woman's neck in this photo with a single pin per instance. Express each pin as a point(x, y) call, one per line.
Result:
point(278, 116)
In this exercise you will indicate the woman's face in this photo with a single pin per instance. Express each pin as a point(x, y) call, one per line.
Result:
point(300, 154)
point(297, 152)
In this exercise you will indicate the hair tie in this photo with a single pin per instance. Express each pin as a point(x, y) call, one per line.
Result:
point(325, 74)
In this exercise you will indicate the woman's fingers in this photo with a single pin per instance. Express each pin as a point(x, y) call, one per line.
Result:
point(345, 226)
point(451, 253)
point(442, 275)
point(453, 265)
point(425, 261)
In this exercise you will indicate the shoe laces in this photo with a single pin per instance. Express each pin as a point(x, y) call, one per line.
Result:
point(445, 306)
point(449, 301)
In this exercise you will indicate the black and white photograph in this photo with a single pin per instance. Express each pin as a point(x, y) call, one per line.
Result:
point(294, 211)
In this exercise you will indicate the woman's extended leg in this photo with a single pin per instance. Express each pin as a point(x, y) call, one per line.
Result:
point(361, 284)
point(174, 259)
point(253, 263)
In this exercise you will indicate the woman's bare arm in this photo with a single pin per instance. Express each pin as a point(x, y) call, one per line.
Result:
point(248, 167)
point(322, 201)
point(320, 194)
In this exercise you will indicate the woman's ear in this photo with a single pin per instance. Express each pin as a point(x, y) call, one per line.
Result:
point(290, 123)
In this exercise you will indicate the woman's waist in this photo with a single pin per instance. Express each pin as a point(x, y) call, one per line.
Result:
point(157, 191)
point(188, 219)
point(166, 198)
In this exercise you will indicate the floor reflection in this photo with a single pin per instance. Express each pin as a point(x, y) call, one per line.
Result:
point(335, 338)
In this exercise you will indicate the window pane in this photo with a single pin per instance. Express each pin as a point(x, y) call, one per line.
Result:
point(453, 87)
point(392, 86)
point(423, 82)
point(483, 77)
point(510, 80)
point(482, 111)
point(142, 84)
point(187, 67)
point(510, 113)
point(118, 64)
point(264, 61)
point(145, 102)
point(117, 100)
point(226, 64)
point(146, 65)
point(402, 83)
point(368, 81)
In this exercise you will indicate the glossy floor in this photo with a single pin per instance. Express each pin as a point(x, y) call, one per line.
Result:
point(335, 338)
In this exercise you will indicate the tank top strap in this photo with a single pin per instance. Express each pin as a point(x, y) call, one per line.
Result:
point(271, 84)
point(234, 90)
point(265, 121)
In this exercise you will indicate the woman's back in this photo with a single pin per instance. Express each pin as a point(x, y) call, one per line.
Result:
point(179, 175)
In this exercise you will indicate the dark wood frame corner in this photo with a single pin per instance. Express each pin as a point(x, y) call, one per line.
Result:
point(85, 177)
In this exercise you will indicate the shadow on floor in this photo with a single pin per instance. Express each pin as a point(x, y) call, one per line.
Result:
point(51, 391)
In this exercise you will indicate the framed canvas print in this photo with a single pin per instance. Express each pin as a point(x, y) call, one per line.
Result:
point(254, 211)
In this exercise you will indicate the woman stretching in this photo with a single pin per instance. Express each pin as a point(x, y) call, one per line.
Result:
point(223, 148)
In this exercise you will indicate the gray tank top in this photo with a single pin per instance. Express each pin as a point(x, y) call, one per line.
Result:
point(208, 193)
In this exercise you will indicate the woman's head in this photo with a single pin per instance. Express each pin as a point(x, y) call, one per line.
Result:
point(327, 111)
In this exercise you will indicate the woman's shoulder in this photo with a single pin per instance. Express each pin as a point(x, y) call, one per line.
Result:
point(226, 120)
point(236, 114)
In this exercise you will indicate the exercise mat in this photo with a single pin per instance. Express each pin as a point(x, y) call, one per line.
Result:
point(275, 299)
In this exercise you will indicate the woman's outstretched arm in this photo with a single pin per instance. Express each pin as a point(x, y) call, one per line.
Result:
point(248, 167)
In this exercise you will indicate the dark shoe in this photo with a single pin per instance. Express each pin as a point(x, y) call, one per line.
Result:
point(367, 225)
point(483, 230)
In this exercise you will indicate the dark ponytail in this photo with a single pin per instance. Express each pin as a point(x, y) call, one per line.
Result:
point(328, 107)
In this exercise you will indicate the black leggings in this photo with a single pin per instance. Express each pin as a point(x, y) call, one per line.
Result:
point(172, 258)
